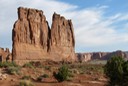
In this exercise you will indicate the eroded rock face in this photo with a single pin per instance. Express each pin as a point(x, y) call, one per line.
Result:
point(30, 35)
point(62, 41)
point(34, 40)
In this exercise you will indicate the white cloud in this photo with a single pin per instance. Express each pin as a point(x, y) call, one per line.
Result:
point(92, 29)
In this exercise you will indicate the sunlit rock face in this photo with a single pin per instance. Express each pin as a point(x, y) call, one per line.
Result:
point(34, 40)
point(30, 35)
point(62, 40)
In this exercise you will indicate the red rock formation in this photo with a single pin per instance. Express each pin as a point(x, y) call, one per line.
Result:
point(62, 38)
point(84, 57)
point(33, 39)
point(5, 55)
point(30, 35)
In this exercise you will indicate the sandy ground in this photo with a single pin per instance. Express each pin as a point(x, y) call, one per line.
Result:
point(84, 79)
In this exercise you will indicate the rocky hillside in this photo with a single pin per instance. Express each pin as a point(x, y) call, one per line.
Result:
point(33, 39)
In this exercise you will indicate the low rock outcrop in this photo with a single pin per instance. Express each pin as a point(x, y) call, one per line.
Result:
point(5, 55)
point(34, 40)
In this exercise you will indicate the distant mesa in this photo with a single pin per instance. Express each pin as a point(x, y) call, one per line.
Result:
point(84, 57)
point(33, 39)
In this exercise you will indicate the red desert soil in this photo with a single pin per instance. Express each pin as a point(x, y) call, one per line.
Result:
point(91, 78)
point(79, 80)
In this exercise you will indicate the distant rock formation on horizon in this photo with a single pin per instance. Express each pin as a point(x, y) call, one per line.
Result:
point(34, 40)
point(84, 57)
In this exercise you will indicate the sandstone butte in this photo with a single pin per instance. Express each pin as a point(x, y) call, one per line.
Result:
point(33, 39)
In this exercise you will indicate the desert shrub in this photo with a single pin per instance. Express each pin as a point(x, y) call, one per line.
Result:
point(8, 64)
point(63, 73)
point(28, 65)
point(116, 70)
point(42, 76)
point(33, 64)
point(26, 77)
point(13, 70)
point(26, 83)
point(47, 68)
point(36, 64)
point(45, 75)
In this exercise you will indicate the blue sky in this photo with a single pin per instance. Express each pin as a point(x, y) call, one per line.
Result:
point(99, 25)
point(114, 6)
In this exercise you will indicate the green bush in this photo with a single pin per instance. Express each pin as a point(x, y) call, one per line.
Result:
point(116, 70)
point(26, 83)
point(63, 73)
point(125, 74)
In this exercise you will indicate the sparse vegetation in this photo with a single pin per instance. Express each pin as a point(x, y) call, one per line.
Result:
point(45, 76)
point(28, 65)
point(44, 73)
point(85, 68)
point(26, 77)
point(11, 67)
point(13, 70)
point(8, 64)
point(33, 64)
point(48, 68)
point(26, 83)
point(36, 64)
point(42, 76)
